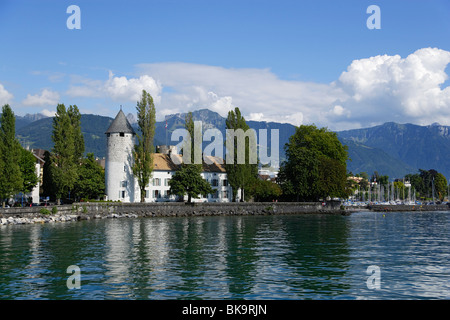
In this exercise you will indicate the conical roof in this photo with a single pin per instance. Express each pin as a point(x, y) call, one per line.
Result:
point(120, 124)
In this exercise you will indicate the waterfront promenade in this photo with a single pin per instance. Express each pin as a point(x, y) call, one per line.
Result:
point(102, 210)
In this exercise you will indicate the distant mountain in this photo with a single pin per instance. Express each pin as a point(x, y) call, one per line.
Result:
point(22, 121)
point(418, 147)
point(368, 159)
point(38, 134)
point(391, 149)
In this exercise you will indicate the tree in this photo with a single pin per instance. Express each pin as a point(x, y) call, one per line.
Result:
point(440, 185)
point(48, 187)
point(188, 180)
point(315, 165)
point(11, 180)
point(265, 190)
point(67, 150)
point(143, 160)
point(240, 175)
point(332, 178)
point(27, 164)
point(91, 179)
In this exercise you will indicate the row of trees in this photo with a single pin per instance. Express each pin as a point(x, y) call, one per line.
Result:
point(423, 185)
point(67, 174)
point(17, 165)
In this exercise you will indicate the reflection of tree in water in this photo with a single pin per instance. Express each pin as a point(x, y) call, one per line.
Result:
point(318, 253)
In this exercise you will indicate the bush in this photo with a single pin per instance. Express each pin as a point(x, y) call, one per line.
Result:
point(54, 210)
point(44, 211)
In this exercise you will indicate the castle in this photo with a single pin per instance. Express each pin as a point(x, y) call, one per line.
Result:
point(122, 185)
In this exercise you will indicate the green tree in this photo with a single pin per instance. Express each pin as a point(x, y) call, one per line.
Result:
point(91, 179)
point(143, 159)
point(265, 190)
point(315, 165)
point(75, 120)
point(11, 180)
point(188, 180)
point(240, 175)
point(67, 149)
point(48, 187)
point(440, 183)
point(333, 178)
point(27, 166)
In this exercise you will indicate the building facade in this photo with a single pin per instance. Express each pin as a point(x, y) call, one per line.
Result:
point(121, 184)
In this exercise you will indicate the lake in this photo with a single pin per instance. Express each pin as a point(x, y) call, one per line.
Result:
point(367, 255)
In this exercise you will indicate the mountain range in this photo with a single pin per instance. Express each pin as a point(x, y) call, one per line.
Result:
point(390, 149)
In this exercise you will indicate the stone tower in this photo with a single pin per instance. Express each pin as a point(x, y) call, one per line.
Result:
point(119, 178)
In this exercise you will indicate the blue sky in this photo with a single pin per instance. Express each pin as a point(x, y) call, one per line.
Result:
point(287, 61)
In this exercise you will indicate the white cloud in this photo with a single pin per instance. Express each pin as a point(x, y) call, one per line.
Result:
point(371, 91)
point(391, 88)
point(48, 113)
point(258, 93)
point(5, 96)
point(116, 88)
point(45, 98)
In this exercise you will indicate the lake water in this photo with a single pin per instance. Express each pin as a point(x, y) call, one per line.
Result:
point(243, 257)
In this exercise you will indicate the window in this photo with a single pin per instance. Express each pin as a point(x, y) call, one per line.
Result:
point(225, 194)
point(225, 183)
point(156, 182)
point(147, 194)
point(214, 182)
point(123, 184)
point(122, 194)
point(166, 182)
point(156, 194)
point(108, 135)
point(122, 134)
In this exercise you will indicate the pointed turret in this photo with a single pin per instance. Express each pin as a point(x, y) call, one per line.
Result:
point(120, 124)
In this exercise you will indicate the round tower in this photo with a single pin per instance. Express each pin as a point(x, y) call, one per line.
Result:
point(119, 180)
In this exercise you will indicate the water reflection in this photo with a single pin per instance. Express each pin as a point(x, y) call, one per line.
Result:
point(270, 257)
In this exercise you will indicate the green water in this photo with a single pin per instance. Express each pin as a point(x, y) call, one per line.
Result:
point(267, 257)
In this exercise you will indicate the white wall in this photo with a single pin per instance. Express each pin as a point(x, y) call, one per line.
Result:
point(118, 171)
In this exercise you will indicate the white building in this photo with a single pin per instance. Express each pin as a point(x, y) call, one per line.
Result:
point(121, 185)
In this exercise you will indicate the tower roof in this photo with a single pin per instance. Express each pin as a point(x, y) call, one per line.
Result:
point(120, 124)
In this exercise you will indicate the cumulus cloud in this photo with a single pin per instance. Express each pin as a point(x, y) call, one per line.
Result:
point(391, 88)
point(45, 98)
point(5, 96)
point(116, 88)
point(48, 113)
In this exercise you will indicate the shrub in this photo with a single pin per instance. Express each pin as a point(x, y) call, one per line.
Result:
point(54, 210)
point(44, 211)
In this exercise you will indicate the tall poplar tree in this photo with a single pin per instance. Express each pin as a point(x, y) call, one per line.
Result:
point(187, 179)
point(11, 180)
point(143, 159)
point(67, 150)
point(239, 175)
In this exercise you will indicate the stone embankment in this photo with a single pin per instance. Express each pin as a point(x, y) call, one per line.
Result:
point(103, 210)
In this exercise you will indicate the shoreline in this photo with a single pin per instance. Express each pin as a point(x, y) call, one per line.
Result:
point(107, 210)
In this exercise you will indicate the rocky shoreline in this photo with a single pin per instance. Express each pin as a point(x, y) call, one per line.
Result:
point(54, 218)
